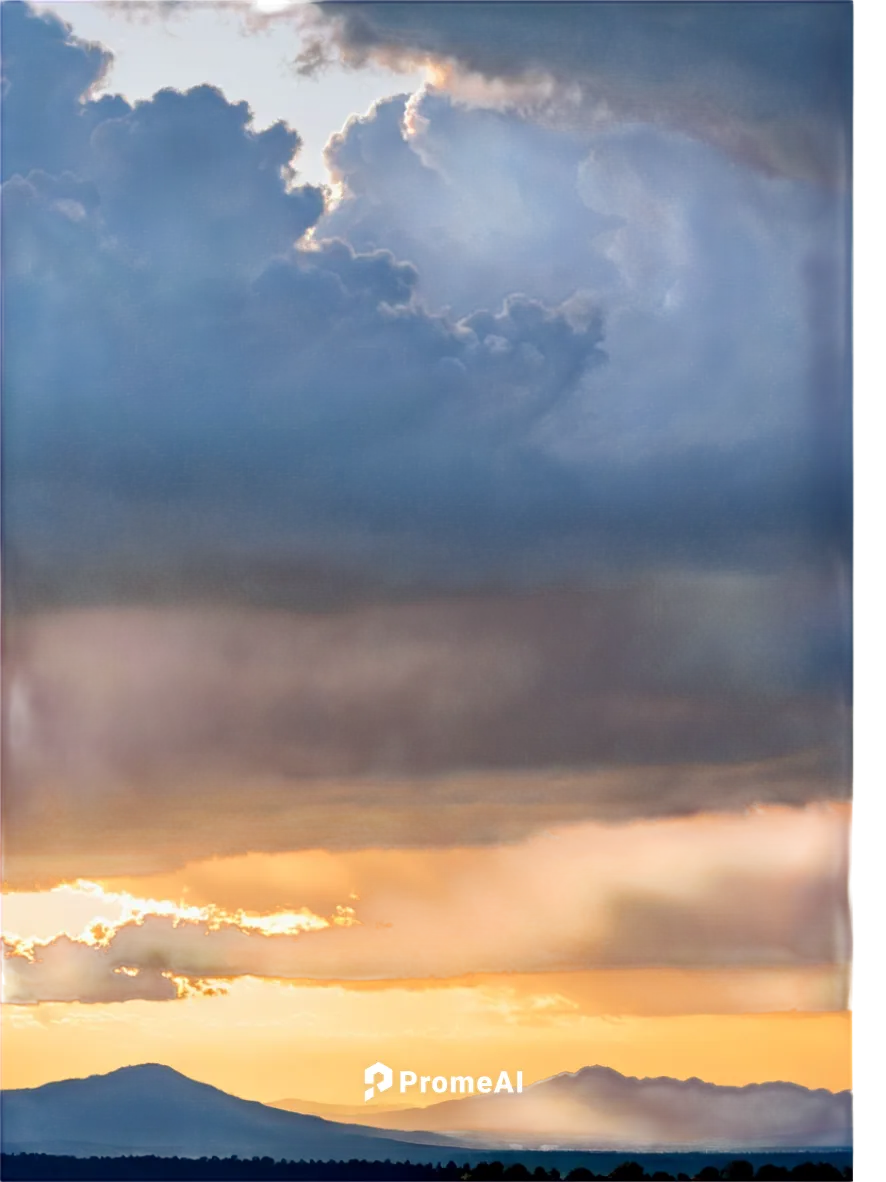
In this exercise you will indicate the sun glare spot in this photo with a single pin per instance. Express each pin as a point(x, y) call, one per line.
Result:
point(281, 923)
point(113, 911)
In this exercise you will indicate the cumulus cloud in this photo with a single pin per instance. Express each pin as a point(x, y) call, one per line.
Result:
point(721, 288)
point(765, 889)
point(248, 418)
point(310, 368)
point(482, 202)
point(45, 72)
point(152, 166)
point(158, 164)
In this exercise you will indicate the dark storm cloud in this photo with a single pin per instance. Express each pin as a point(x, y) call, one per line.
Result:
point(283, 423)
point(192, 403)
point(284, 413)
point(768, 82)
point(458, 721)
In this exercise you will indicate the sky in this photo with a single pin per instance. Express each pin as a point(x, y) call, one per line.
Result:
point(427, 550)
point(182, 47)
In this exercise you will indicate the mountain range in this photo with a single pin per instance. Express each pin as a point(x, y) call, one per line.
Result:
point(598, 1108)
point(153, 1109)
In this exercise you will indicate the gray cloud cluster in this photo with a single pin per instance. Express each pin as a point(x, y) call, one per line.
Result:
point(152, 167)
point(177, 370)
point(314, 400)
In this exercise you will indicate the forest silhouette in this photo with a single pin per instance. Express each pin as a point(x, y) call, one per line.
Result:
point(37, 1166)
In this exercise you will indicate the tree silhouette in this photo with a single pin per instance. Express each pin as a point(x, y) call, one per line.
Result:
point(38, 1167)
point(739, 1171)
point(629, 1170)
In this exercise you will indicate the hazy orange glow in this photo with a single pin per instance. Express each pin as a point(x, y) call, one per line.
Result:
point(762, 888)
point(691, 933)
point(442, 911)
point(269, 1041)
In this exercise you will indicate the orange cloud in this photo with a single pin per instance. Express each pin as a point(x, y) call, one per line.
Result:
point(767, 888)
point(68, 970)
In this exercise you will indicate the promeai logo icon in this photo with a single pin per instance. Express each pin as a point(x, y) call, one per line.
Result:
point(380, 1072)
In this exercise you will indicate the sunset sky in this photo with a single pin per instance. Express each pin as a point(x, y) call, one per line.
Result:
point(426, 541)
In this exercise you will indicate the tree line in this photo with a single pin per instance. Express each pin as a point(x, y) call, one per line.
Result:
point(17, 1167)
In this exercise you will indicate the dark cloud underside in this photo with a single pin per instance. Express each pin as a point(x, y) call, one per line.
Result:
point(771, 83)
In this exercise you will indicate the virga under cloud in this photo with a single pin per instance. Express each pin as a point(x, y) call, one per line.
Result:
point(449, 721)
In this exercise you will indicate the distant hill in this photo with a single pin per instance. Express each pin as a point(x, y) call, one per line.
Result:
point(154, 1109)
point(597, 1108)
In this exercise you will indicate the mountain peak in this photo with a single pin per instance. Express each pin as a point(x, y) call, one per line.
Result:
point(134, 1084)
point(143, 1069)
point(152, 1108)
point(142, 1074)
